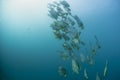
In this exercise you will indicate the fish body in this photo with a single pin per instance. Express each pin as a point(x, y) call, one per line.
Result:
point(55, 26)
point(105, 69)
point(76, 41)
point(97, 77)
point(56, 3)
point(75, 45)
point(53, 14)
point(67, 46)
point(64, 55)
point(90, 60)
point(62, 71)
point(71, 21)
point(65, 4)
point(59, 10)
point(85, 74)
point(75, 66)
point(51, 5)
point(66, 38)
point(79, 22)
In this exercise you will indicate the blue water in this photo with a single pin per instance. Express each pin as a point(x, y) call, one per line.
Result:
point(28, 47)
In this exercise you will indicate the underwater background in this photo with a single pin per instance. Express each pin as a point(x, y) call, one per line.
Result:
point(28, 47)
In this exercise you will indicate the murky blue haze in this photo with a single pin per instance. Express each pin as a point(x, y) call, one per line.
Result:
point(28, 47)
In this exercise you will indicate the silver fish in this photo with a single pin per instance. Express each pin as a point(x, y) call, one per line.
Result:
point(90, 60)
point(79, 22)
point(97, 77)
point(53, 14)
point(51, 5)
point(67, 46)
point(59, 10)
point(71, 21)
point(75, 45)
point(66, 37)
point(64, 3)
point(75, 66)
point(105, 69)
point(85, 74)
point(64, 55)
point(62, 71)
point(57, 34)
point(56, 3)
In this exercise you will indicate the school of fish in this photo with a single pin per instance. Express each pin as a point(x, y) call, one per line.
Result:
point(68, 28)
